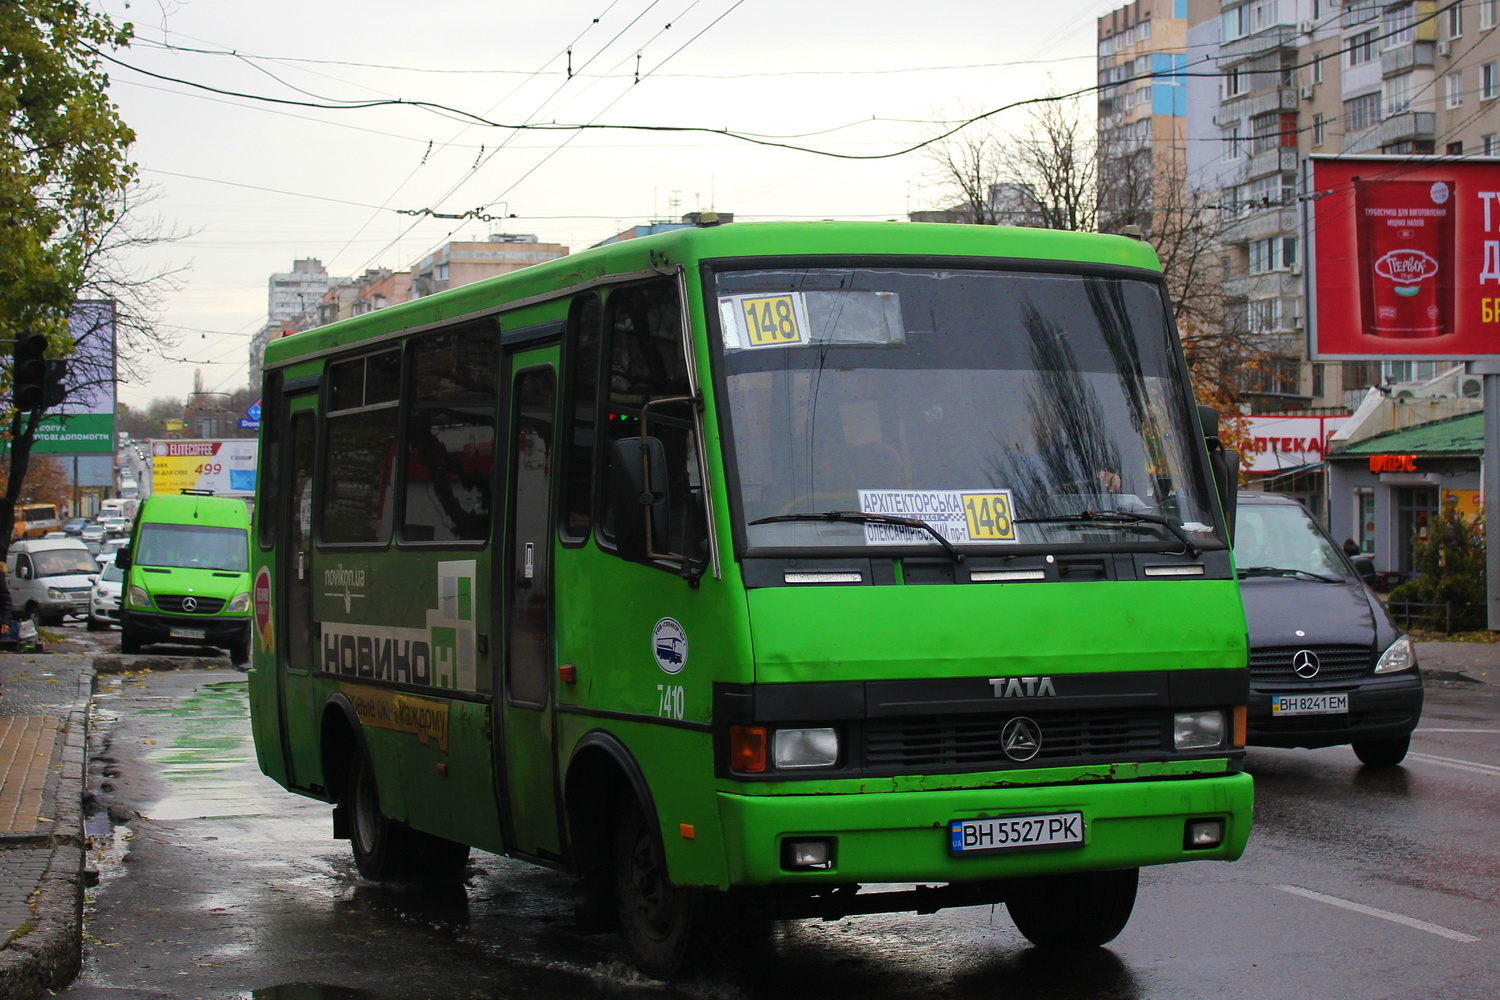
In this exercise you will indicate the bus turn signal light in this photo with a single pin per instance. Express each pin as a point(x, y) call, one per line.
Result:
point(747, 749)
point(1239, 727)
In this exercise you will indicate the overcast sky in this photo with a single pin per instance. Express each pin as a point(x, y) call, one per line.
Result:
point(257, 184)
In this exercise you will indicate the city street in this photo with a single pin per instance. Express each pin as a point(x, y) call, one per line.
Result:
point(216, 883)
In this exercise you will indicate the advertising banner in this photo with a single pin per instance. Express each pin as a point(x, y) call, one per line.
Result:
point(84, 423)
point(223, 467)
point(1403, 258)
point(1288, 442)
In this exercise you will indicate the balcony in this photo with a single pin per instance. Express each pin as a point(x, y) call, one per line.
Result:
point(1417, 55)
point(1264, 102)
point(1405, 126)
point(1282, 159)
point(1279, 36)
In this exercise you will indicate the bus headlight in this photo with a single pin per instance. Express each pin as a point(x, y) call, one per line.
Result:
point(796, 748)
point(241, 602)
point(1198, 730)
point(1399, 655)
point(139, 598)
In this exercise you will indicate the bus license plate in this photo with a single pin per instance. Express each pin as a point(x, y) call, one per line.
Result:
point(1016, 833)
point(1309, 704)
point(188, 633)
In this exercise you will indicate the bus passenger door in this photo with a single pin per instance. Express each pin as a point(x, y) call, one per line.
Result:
point(296, 639)
point(525, 593)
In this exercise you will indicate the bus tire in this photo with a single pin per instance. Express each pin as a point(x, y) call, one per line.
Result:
point(95, 625)
point(372, 835)
point(239, 650)
point(656, 917)
point(1382, 753)
point(1074, 911)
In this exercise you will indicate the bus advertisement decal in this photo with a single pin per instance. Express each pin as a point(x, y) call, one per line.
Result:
point(440, 655)
point(426, 718)
point(958, 515)
point(669, 645)
point(261, 595)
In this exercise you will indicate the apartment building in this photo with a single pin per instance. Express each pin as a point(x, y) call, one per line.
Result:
point(462, 263)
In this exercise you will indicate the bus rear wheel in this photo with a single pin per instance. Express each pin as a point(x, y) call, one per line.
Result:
point(385, 850)
point(1078, 910)
point(656, 917)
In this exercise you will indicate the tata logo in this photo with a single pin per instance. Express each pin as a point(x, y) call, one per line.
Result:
point(1407, 267)
point(1021, 739)
point(1022, 687)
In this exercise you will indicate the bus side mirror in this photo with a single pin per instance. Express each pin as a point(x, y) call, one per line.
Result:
point(637, 515)
point(122, 558)
point(1224, 464)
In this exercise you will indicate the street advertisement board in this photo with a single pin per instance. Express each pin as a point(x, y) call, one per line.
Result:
point(226, 468)
point(1403, 257)
point(84, 423)
point(1282, 443)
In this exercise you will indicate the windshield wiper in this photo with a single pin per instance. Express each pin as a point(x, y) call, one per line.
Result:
point(1119, 517)
point(860, 517)
point(1245, 571)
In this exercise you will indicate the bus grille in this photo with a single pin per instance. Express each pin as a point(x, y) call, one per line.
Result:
point(974, 742)
point(205, 605)
point(1335, 663)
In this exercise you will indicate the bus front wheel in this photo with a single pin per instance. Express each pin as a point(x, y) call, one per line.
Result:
point(386, 850)
point(656, 917)
point(1078, 910)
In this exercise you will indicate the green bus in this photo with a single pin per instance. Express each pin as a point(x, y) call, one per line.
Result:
point(775, 570)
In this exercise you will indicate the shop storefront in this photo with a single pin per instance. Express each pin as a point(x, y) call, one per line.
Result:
point(1385, 490)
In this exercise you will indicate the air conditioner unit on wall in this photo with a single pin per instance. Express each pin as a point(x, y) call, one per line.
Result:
point(1443, 48)
point(1306, 27)
point(1471, 387)
point(1307, 93)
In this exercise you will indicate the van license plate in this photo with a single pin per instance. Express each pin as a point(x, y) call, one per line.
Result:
point(188, 633)
point(1016, 833)
point(1309, 704)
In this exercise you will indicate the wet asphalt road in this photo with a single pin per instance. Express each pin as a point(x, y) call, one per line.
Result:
point(217, 883)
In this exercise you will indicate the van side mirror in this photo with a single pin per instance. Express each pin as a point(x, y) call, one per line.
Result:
point(1364, 566)
point(122, 557)
point(637, 519)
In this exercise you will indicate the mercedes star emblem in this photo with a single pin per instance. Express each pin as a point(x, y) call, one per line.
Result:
point(191, 604)
point(1021, 739)
point(1305, 663)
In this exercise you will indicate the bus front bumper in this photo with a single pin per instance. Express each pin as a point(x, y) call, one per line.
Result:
point(885, 837)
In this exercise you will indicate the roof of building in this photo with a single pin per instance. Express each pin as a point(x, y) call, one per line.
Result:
point(1461, 435)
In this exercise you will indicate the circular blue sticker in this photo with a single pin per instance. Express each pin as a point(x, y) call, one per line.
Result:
point(669, 645)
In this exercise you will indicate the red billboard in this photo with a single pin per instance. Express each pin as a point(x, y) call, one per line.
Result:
point(1403, 257)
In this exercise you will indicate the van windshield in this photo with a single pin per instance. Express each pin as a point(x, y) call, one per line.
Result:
point(191, 546)
point(1281, 539)
point(64, 562)
point(996, 406)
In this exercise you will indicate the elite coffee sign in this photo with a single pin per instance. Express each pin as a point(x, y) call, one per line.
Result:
point(1404, 257)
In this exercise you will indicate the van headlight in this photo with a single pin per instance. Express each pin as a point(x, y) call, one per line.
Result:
point(53, 594)
point(1399, 655)
point(241, 602)
point(139, 598)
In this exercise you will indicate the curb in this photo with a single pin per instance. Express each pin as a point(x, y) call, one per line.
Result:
point(1446, 675)
point(50, 955)
point(121, 664)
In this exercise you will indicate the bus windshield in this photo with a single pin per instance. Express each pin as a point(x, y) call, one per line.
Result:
point(1000, 407)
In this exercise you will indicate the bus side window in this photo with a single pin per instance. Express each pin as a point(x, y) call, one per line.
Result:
point(358, 503)
point(644, 325)
point(580, 415)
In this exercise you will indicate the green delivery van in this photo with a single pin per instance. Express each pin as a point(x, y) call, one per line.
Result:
point(187, 574)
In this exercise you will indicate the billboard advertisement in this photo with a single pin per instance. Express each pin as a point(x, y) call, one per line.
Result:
point(1282, 443)
point(223, 467)
point(1403, 258)
point(84, 423)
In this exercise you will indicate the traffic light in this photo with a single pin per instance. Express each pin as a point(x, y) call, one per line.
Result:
point(30, 371)
point(39, 382)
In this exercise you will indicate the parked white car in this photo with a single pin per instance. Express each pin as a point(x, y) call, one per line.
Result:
point(104, 597)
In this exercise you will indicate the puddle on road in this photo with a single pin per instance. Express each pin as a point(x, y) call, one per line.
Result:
point(309, 991)
point(208, 756)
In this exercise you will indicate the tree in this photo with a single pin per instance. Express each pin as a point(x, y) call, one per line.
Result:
point(63, 168)
point(1451, 564)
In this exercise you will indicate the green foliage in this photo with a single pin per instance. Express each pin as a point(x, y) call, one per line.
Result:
point(63, 160)
point(1451, 561)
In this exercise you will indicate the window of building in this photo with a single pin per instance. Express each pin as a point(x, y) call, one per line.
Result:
point(1455, 20)
point(1317, 67)
point(1398, 25)
point(1273, 374)
point(1234, 23)
point(1489, 145)
point(1143, 30)
point(1453, 90)
point(1489, 14)
point(1397, 94)
point(1275, 253)
point(1236, 82)
point(1362, 113)
point(1455, 149)
point(1362, 48)
point(1231, 136)
point(1317, 129)
point(1364, 519)
point(1489, 83)
point(1361, 12)
point(1319, 380)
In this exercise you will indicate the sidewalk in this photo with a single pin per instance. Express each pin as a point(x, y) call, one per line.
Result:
point(43, 744)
